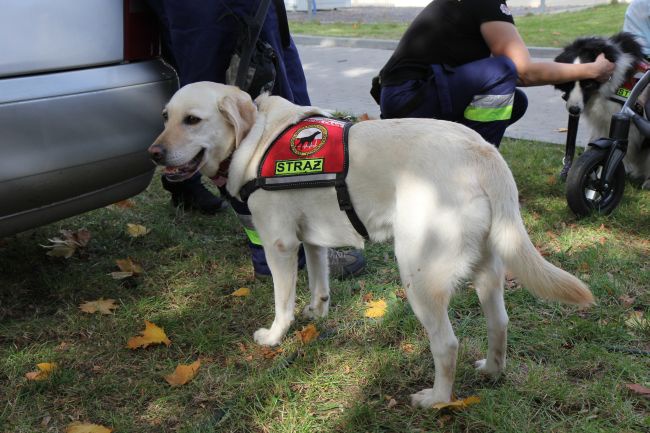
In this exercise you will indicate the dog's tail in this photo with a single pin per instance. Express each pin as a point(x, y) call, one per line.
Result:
point(510, 240)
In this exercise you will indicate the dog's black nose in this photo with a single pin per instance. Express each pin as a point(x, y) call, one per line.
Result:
point(574, 110)
point(157, 153)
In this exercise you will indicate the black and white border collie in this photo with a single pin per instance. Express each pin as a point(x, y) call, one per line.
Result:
point(594, 100)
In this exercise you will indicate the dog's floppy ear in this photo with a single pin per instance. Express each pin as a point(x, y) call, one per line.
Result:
point(239, 111)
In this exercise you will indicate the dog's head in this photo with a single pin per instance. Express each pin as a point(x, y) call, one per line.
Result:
point(204, 123)
point(621, 49)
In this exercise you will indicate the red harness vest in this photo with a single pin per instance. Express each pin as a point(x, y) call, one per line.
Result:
point(623, 92)
point(310, 154)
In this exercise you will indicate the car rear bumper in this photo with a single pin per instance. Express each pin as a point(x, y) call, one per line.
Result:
point(74, 141)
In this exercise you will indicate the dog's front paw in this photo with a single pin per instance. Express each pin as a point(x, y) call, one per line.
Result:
point(266, 337)
point(427, 398)
point(491, 370)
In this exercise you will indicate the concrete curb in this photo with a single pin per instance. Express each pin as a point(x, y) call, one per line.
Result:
point(388, 44)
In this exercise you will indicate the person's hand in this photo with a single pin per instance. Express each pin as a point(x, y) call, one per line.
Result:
point(603, 69)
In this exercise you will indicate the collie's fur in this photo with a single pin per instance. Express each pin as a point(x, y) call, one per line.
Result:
point(449, 202)
point(591, 98)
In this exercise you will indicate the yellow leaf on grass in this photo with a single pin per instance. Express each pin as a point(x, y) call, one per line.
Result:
point(45, 369)
point(183, 373)
point(136, 230)
point(77, 427)
point(375, 308)
point(65, 247)
point(128, 268)
point(636, 320)
point(307, 334)
point(121, 275)
point(128, 265)
point(152, 334)
point(61, 250)
point(104, 306)
point(244, 291)
point(458, 404)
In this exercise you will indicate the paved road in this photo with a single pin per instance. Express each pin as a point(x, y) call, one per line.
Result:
point(379, 14)
point(339, 78)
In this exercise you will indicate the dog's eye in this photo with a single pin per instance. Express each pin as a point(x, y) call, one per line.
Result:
point(565, 96)
point(165, 116)
point(191, 120)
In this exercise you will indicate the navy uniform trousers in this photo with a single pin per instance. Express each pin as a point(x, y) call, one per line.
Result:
point(199, 38)
point(481, 95)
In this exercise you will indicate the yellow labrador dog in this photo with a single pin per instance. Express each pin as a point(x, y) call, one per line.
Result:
point(444, 195)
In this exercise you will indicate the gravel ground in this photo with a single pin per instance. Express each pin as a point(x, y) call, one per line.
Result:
point(372, 14)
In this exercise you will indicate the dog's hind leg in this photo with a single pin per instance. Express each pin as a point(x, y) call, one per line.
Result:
point(317, 272)
point(429, 283)
point(488, 280)
point(432, 312)
point(281, 257)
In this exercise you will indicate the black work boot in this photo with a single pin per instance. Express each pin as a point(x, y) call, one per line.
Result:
point(345, 264)
point(192, 195)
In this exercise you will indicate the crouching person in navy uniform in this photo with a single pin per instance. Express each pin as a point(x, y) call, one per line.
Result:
point(461, 60)
point(199, 39)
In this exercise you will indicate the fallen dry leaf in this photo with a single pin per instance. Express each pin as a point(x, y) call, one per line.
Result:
point(151, 334)
point(128, 268)
point(551, 180)
point(375, 309)
point(270, 353)
point(67, 245)
point(458, 404)
point(183, 373)
point(243, 291)
point(136, 230)
point(636, 320)
point(562, 129)
point(391, 403)
point(125, 204)
point(363, 117)
point(407, 348)
point(77, 427)
point(45, 369)
point(103, 306)
point(638, 389)
point(307, 334)
point(627, 300)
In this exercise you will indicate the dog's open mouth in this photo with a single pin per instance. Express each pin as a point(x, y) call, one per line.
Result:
point(185, 171)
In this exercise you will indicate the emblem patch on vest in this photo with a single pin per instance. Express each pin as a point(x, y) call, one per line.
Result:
point(308, 139)
point(312, 150)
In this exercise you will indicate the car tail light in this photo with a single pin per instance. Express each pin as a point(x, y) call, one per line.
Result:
point(141, 35)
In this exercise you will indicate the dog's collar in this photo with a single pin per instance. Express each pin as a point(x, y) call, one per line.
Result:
point(221, 177)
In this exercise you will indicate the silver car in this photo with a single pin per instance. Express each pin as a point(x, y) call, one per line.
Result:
point(81, 92)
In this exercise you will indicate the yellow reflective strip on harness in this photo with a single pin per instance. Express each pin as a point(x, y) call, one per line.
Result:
point(298, 166)
point(623, 92)
point(484, 114)
point(253, 236)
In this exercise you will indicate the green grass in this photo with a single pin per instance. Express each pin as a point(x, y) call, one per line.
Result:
point(565, 369)
point(548, 30)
